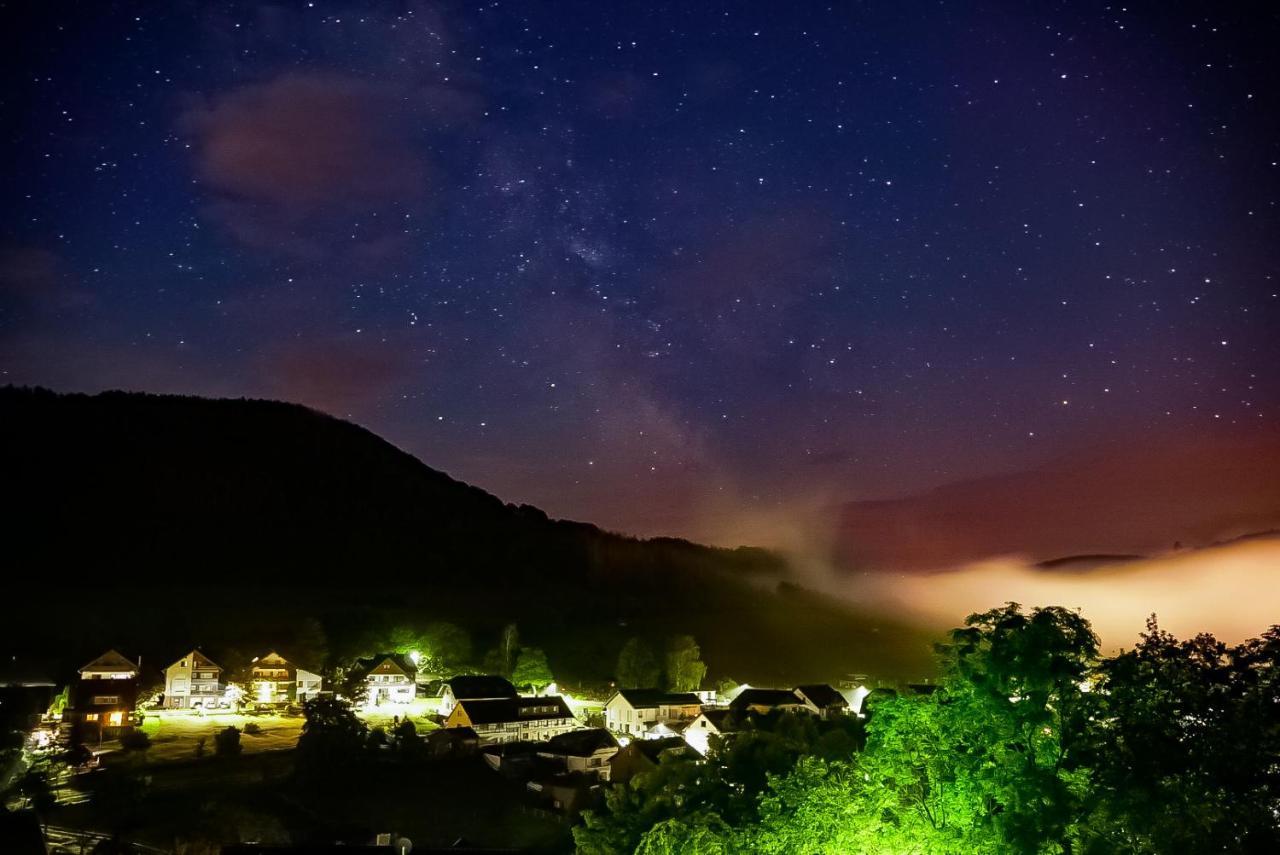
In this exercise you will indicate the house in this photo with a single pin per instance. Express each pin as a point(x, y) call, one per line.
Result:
point(764, 701)
point(275, 680)
point(642, 755)
point(822, 700)
point(569, 793)
point(194, 681)
point(389, 678)
point(105, 695)
point(588, 750)
point(474, 687)
point(713, 722)
point(634, 711)
point(514, 719)
point(452, 742)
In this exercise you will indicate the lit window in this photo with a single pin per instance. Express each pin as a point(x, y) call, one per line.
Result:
point(115, 719)
point(93, 716)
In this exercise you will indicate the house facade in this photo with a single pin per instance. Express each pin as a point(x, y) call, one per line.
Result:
point(588, 750)
point(275, 680)
point(105, 695)
point(389, 678)
point(474, 687)
point(498, 720)
point(636, 712)
point(194, 681)
point(713, 722)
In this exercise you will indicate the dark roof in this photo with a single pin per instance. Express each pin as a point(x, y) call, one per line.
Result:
point(644, 698)
point(718, 716)
point(475, 686)
point(110, 661)
point(580, 743)
point(765, 698)
point(822, 695)
point(655, 748)
point(499, 710)
point(399, 660)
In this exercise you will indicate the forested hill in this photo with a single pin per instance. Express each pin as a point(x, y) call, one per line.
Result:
point(193, 507)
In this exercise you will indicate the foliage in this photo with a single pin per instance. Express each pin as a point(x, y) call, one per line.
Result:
point(135, 740)
point(1031, 744)
point(685, 668)
point(226, 742)
point(638, 666)
point(332, 739)
point(532, 670)
point(252, 728)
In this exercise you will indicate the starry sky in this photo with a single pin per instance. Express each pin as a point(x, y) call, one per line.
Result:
point(687, 268)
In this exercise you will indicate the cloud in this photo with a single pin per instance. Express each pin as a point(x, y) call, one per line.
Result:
point(35, 278)
point(1134, 496)
point(307, 162)
point(1232, 591)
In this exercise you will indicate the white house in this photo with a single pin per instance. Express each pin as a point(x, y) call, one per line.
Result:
point(514, 719)
point(389, 678)
point(697, 734)
point(194, 681)
point(635, 712)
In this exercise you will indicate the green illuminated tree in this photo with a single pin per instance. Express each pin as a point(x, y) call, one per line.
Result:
point(638, 666)
point(685, 668)
point(532, 669)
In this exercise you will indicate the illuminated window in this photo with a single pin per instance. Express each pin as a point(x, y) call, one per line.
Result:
point(115, 719)
point(93, 716)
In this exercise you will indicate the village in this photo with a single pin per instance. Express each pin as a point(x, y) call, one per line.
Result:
point(562, 750)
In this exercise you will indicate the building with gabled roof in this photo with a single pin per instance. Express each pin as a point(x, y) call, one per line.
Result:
point(105, 696)
point(822, 700)
point(763, 701)
point(474, 687)
point(194, 681)
point(588, 750)
point(635, 712)
point(514, 719)
point(389, 678)
point(711, 722)
point(275, 680)
point(111, 665)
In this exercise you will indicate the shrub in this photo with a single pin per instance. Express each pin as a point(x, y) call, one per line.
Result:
point(227, 742)
point(253, 728)
point(135, 740)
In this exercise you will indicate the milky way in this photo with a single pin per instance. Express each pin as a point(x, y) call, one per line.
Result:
point(670, 268)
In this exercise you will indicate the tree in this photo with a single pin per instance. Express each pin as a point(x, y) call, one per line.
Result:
point(685, 668)
point(445, 647)
point(1186, 758)
point(508, 647)
point(532, 669)
point(638, 666)
point(226, 742)
point(332, 740)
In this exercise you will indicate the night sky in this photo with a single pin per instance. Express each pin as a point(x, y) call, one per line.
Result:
point(674, 268)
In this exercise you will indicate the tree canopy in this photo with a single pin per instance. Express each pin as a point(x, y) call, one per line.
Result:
point(1031, 743)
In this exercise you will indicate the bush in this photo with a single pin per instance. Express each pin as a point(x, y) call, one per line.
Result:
point(135, 740)
point(227, 742)
point(253, 728)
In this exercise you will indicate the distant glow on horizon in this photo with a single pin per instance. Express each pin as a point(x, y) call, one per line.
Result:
point(1231, 591)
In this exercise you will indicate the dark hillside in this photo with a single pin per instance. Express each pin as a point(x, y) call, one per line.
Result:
point(200, 511)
